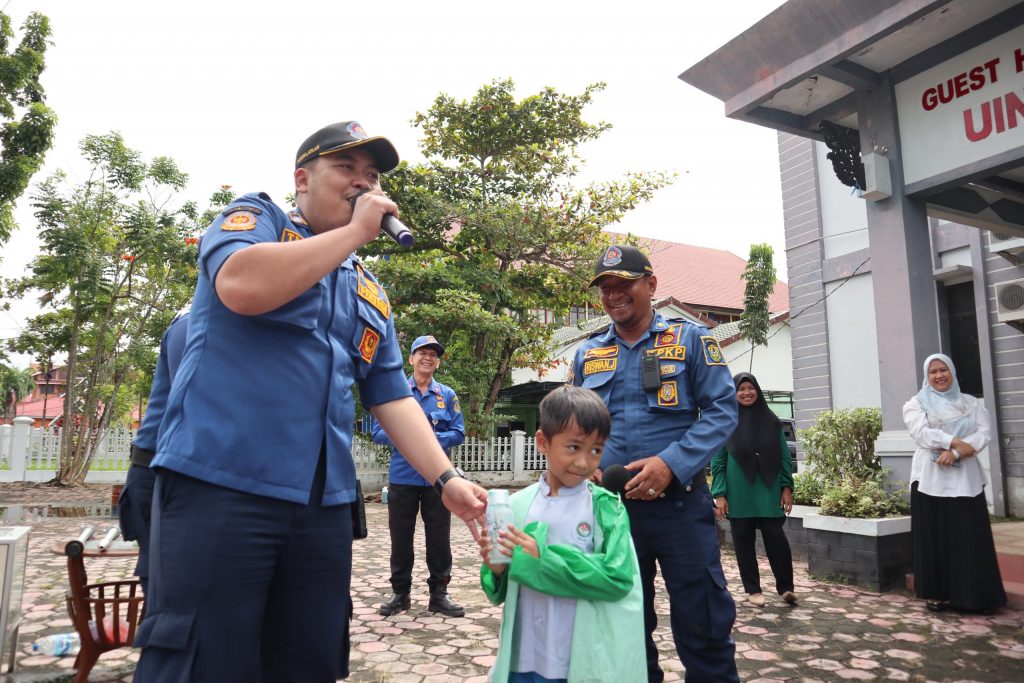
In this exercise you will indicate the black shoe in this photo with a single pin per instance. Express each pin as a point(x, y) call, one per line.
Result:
point(935, 605)
point(443, 603)
point(398, 602)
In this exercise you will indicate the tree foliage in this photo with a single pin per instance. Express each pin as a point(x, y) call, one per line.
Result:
point(760, 282)
point(15, 385)
point(117, 262)
point(502, 231)
point(27, 129)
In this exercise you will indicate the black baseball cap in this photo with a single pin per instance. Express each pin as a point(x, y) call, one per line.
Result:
point(621, 260)
point(346, 135)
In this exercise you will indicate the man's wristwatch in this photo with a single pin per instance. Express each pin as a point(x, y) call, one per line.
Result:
point(955, 452)
point(445, 477)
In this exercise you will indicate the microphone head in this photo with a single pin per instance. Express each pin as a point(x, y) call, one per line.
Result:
point(614, 478)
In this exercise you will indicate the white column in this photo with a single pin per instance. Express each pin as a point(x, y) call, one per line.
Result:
point(19, 446)
point(518, 455)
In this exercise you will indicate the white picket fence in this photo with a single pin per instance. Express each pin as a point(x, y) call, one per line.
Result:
point(30, 453)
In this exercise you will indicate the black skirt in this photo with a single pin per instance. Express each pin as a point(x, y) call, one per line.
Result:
point(954, 554)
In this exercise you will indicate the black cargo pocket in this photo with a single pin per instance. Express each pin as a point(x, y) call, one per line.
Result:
point(721, 606)
point(167, 639)
point(126, 515)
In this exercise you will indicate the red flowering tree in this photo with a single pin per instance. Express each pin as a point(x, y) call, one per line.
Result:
point(117, 262)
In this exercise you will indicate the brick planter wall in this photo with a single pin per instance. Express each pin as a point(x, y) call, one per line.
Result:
point(874, 553)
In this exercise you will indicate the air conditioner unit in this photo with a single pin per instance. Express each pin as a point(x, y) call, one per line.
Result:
point(1006, 244)
point(1010, 300)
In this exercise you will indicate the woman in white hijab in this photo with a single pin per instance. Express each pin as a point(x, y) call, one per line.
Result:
point(954, 555)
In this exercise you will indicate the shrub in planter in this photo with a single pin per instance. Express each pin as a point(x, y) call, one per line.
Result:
point(807, 488)
point(865, 498)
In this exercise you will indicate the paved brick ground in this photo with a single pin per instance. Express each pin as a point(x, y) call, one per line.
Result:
point(836, 633)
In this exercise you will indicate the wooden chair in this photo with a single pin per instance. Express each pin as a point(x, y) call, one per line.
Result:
point(104, 614)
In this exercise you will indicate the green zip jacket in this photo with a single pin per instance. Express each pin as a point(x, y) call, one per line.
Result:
point(608, 630)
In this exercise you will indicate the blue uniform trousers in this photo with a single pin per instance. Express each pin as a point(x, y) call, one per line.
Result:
point(245, 588)
point(133, 512)
point(678, 532)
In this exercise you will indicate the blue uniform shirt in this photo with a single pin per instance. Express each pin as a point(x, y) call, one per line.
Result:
point(694, 381)
point(171, 348)
point(441, 405)
point(256, 396)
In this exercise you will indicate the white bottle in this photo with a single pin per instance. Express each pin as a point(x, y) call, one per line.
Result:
point(58, 645)
point(499, 516)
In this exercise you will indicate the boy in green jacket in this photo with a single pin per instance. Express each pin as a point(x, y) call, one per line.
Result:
point(573, 602)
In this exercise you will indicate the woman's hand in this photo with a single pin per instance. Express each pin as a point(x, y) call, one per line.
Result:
point(787, 500)
point(946, 459)
point(965, 449)
point(721, 507)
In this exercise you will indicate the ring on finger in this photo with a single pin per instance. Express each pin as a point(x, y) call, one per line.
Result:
point(651, 492)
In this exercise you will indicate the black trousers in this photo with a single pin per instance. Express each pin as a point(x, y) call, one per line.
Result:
point(404, 501)
point(776, 547)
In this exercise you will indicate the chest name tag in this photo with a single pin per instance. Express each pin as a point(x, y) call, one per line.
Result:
point(372, 293)
point(669, 394)
point(289, 235)
point(670, 353)
point(602, 352)
point(668, 369)
point(600, 365)
point(368, 344)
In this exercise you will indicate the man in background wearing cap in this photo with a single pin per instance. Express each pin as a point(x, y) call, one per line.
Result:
point(657, 376)
point(251, 549)
point(409, 493)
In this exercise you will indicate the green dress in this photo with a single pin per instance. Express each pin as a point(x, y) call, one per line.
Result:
point(746, 499)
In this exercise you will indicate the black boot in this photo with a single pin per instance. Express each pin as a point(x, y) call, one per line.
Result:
point(398, 602)
point(441, 602)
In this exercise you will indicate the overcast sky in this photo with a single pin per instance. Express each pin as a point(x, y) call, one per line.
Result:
point(230, 89)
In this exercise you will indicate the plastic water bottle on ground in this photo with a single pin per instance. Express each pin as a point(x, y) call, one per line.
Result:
point(58, 645)
point(499, 516)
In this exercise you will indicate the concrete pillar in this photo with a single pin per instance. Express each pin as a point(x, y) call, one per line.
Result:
point(906, 311)
point(19, 446)
point(518, 455)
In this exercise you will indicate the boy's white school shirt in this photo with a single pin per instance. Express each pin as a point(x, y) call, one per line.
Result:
point(544, 623)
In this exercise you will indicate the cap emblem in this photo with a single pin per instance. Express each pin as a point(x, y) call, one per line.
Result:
point(356, 131)
point(612, 257)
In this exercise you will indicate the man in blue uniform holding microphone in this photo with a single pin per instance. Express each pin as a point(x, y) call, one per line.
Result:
point(409, 493)
point(251, 555)
point(657, 377)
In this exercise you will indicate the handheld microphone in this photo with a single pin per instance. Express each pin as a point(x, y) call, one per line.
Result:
point(393, 227)
point(615, 477)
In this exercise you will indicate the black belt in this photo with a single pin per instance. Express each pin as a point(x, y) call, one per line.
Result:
point(142, 456)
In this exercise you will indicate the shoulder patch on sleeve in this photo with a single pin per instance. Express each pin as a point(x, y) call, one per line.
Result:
point(288, 235)
point(712, 351)
point(239, 221)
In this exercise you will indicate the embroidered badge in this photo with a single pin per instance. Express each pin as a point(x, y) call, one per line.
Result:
point(712, 351)
point(591, 367)
point(235, 209)
point(373, 293)
point(602, 352)
point(297, 218)
point(612, 256)
point(243, 220)
point(669, 395)
point(368, 344)
point(356, 131)
point(440, 403)
point(584, 530)
point(456, 407)
point(670, 353)
point(288, 235)
point(668, 369)
point(669, 337)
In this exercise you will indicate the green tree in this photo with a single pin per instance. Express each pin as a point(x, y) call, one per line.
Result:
point(502, 232)
point(24, 141)
point(760, 277)
point(117, 263)
point(15, 385)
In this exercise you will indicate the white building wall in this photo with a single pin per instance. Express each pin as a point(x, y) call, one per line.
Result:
point(844, 218)
point(773, 364)
point(853, 349)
